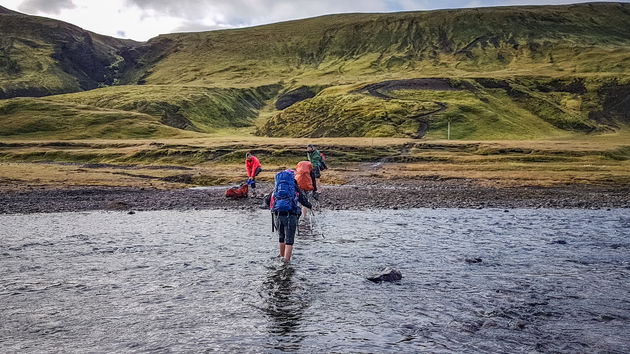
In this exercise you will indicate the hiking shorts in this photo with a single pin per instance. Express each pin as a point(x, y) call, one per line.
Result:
point(286, 225)
point(316, 172)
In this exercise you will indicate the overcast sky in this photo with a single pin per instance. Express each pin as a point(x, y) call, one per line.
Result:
point(144, 19)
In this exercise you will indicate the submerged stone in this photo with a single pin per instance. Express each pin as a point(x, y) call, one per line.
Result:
point(388, 274)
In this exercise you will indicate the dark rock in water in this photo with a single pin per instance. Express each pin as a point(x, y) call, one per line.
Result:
point(517, 325)
point(131, 212)
point(473, 260)
point(387, 274)
point(559, 242)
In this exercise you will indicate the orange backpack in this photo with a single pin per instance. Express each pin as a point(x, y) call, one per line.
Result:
point(303, 175)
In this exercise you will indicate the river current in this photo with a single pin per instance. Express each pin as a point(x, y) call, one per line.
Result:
point(524, 280)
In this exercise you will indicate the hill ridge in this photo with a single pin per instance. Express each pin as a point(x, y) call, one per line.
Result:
point(531, 71)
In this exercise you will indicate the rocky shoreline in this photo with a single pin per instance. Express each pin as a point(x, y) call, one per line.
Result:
point(362, 195)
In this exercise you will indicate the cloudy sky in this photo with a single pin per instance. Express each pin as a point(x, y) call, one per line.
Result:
point(144, 19)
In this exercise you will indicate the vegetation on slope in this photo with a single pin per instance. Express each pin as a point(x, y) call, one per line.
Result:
point(40, 118)
point(519, 108)
point(599, 160)
point(485, 42)
point(159, 111)
point(496, 73)
point(192, 108)
point(41, 56)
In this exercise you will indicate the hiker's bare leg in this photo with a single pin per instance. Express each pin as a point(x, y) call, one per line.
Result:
point(287, 253)
point(282, 249)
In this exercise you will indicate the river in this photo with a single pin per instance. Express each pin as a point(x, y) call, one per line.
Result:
point(189, 281)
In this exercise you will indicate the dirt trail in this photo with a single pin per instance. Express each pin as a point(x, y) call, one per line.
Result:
point(410, 84)
point(377, 89)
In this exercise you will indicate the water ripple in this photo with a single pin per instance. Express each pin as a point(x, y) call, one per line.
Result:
point(474, 281)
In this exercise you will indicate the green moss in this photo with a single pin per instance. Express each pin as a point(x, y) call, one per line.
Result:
point(539, 71)
point(192, 108)
point(44, 119)
point(620, 154)
point(337, 113)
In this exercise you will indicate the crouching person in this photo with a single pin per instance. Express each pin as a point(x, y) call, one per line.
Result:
point(253, 167)
point(285, 210)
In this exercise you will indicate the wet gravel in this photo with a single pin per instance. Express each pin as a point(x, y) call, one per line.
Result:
point(363, 195)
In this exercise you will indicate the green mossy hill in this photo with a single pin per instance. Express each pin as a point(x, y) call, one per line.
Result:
point(340, 111)
point(484, 42)
point(41, 56)
point(4, 10)
point(192, 108)
point(525, 72)
point(41, 118)
point(519, 108)
point(132, 112)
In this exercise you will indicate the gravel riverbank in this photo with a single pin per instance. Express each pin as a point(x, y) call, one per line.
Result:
point(362, 195)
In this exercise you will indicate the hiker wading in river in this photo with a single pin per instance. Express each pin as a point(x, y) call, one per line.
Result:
point(285, 210)
point(317, 160)
point(253, 169)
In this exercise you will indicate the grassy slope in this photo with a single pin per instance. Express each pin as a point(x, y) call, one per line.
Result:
point(41, 56)
point(600, 160)
point(506, 41)
point(486, 109)
point(42, 118)
point(213, 82)
point(132, 112)
point(204, 109)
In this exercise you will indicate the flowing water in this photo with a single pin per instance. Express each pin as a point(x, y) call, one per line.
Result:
point(190, 281)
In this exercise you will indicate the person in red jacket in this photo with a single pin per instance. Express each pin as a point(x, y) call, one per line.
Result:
point(253, 169)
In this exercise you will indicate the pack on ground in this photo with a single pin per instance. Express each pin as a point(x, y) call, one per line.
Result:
point(284, 196)
point(237, 192)
point(303, 175)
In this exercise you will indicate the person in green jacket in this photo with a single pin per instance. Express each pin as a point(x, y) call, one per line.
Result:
point(315, 157)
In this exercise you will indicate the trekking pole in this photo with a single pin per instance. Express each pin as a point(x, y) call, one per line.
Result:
point(273, 223)
point(310, 220)
point(313, 216)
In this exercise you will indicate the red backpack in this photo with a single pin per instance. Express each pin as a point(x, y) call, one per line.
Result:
point(237, 192)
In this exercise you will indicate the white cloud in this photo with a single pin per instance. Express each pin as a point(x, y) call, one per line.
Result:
point(197, 27)
point(144, 19)
point(45, 6)
point(252, 12)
